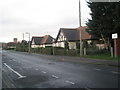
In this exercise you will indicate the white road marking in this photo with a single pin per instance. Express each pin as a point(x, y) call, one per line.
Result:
point(20, 76)
point(70, 82)
point(44, 72)
point(36, 69)
point(55, 76)
point(97, 69)
point(114, 72)
point(87, 88)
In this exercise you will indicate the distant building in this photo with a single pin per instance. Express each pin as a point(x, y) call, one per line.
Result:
point(12, 45)
point(44, 41)
point(4, 45)
point(15, 40)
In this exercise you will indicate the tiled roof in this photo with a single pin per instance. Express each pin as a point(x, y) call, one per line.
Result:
point(47, 39)
point(73, 34)
point(84, 33)
point(70, 34)
point(37, 40)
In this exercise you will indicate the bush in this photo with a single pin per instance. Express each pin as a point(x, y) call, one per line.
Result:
point(47, 50)
point(59, 51)
point(10, 49)
point(73, 52)
point(95, 51)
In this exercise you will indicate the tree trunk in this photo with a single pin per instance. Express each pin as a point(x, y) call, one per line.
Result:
point(105, 41)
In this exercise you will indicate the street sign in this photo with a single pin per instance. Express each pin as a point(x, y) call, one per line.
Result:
point(114, 36)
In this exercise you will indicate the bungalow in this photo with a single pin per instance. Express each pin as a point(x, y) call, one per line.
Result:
point(44, 41)
point(71, 36)
point(12, 45)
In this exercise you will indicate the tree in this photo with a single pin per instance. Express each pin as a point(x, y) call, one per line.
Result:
point(105, 20)
point(23, 46)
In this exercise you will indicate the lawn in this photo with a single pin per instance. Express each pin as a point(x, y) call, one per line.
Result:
point(102, 56)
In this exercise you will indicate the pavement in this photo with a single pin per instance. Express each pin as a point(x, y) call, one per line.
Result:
point(21, 70)
point(81, 60)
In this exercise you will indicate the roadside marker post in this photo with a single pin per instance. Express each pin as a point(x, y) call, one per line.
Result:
point(111, 50)
point(115, 36)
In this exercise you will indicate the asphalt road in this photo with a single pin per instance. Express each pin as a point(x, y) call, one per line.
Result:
point(21, 70)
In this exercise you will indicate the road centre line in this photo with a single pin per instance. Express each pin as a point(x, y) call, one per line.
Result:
point(87, 88)
point(55, 76)
point(44, 72)
point(114, 72)
point(36, 69)
point(97, 69)
point(69, 82)
point(20, 76)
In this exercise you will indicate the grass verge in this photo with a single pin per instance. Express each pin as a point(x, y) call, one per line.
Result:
point(102, 56)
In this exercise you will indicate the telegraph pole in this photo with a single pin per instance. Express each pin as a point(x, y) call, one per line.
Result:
point(29, 51)
point(23, 42)
point(81, 52)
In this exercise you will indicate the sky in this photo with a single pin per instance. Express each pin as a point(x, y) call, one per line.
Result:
point(39, 17)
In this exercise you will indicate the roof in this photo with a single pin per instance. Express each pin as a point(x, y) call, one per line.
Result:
point(11, 44)
point(73, 34)
point(84, 33)
point(37, 40)
point(47, 39)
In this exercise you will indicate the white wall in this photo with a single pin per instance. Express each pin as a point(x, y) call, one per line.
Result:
point(72, 45)
point(59, 44)
point(35, 46)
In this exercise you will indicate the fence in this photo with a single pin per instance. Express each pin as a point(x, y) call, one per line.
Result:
point(70, 52)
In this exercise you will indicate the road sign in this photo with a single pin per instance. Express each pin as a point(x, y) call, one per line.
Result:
point(114, 36)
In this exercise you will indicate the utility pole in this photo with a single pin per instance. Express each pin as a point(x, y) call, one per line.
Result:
point(81, 52)
point(29, 51)
point(23, 42)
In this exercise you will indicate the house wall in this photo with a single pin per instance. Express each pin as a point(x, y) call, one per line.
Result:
point(48, 45)
point(35, 46)
point(89, 41)
point(11, 46)
point(59, 44)
point(72, 45)
point(61, 37)
point(100, 46)
point(44, 45)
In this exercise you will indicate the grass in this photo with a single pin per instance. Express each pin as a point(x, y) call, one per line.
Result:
point(102, 56)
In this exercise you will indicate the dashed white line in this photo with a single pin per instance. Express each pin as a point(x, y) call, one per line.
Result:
point(55, 76)
point(87, 88)
point(36, 69)
point(20, 76)
point(69, 82)
point(114, 72)
point(44, 72)
point(97, 69)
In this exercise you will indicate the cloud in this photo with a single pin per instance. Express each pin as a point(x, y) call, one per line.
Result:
point(39, 16)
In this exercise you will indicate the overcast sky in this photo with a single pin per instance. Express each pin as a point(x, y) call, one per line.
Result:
point(39, 17)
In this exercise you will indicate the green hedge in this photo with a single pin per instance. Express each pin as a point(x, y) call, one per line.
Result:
point(42, 50)
point(73, 52)
point(70, 52)
point(59, 51)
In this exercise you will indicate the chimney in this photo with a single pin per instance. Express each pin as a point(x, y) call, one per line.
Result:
point(15, 40)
